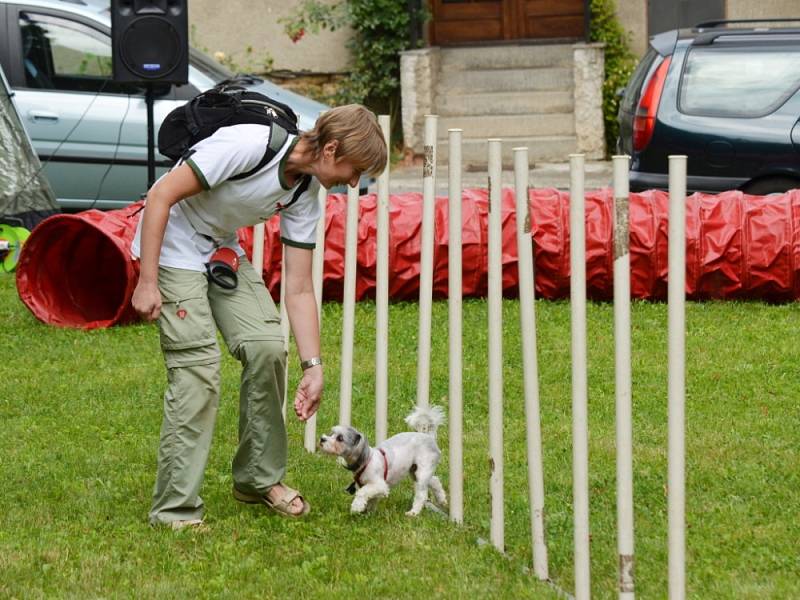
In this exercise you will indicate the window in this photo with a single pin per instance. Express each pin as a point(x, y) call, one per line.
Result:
point(739, 82)
point(64, 55)
point(634, 87)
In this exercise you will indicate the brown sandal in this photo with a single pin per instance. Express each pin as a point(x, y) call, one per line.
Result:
point(282, 506)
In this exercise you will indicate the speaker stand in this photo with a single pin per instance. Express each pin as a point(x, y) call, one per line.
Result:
point(149, 99)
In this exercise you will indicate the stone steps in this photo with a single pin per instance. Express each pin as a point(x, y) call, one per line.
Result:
point(474, 152)
point(504, 80)
point(520, 94)
point(507, 57)
point(504, 103)
point(523, 94)
point(493, 126)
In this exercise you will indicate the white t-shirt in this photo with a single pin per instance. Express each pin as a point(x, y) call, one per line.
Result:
point(200, 224)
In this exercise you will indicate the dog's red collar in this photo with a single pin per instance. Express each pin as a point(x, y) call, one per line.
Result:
point(357, 476)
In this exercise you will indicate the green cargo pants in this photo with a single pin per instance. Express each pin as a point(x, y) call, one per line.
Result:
point(191, 311)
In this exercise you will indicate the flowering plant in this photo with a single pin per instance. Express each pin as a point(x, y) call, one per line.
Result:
point(380, 33)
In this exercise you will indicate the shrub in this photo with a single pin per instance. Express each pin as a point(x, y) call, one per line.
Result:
point(380, 33)
point(619, 63)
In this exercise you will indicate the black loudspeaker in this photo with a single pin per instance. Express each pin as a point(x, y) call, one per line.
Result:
point(150, 41)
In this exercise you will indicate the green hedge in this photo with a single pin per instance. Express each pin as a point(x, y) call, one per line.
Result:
point(619, 63)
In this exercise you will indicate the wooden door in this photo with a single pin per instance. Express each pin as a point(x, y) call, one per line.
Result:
point(464, 21)
point(551, 18)
point(457, 21)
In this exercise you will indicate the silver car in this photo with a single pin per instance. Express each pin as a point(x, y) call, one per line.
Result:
point(90, 132)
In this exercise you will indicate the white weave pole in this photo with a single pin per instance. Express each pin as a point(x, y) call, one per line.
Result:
point(580, 425)
point(258, 267)
point(426, 263)
point(382, 297)
point(676, 297)
point(258, 249)
point(530, 366)
point(317, 270)
point(348, 308)
point(622, 372)
point(454, 291)
point(497, 526)
point(285, 330)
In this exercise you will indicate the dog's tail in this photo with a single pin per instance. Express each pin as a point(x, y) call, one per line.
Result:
point(426, 419)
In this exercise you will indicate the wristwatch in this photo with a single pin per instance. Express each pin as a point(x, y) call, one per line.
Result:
point(311, 362)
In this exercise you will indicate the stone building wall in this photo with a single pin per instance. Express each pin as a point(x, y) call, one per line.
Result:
point(234, 26)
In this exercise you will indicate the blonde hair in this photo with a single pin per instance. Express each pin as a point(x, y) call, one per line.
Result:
point(358, 133)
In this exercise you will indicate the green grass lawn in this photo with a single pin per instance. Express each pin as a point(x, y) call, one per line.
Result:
point(81, 411)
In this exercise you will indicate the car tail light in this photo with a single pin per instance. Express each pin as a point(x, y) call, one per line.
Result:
point(644, 121)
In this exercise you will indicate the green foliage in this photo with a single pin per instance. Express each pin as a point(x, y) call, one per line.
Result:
point(619, 62)
point(314, 16)
point(380, 33)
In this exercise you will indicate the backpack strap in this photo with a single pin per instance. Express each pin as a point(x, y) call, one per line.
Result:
point(277, 138)
point(304, 183)
point(191, 117)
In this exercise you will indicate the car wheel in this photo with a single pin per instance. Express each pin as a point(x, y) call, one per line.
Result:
point(771, 185)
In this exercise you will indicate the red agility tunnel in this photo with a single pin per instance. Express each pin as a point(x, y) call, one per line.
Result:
point(737, 246)
point(75, 270)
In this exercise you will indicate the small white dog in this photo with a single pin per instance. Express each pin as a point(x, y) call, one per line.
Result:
point(377, 470)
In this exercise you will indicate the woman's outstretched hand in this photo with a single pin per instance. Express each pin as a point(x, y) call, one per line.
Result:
point(309, 393)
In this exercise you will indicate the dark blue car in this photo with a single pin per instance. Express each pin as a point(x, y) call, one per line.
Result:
point(727, 97)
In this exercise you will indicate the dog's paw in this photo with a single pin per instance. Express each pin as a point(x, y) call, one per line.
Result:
point(412, 513)
point(358, 507)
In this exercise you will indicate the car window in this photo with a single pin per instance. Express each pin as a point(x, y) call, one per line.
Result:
point(637, 80)
point(64, 55)
point(738, 82)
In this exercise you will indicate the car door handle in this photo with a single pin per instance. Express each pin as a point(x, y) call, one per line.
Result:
point(40, 115)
